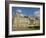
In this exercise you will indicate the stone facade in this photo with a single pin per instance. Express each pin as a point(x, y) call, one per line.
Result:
point(20, 21)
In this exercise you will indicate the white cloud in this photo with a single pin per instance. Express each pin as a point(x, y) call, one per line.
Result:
point(19, 10)
point(37, 12)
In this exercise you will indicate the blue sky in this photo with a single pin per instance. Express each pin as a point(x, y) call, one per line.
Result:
point(28, 11)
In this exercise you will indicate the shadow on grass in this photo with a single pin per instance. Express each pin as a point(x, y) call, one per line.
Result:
point(34, 28)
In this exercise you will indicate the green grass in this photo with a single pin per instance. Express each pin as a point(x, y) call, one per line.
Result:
point(34, 28)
